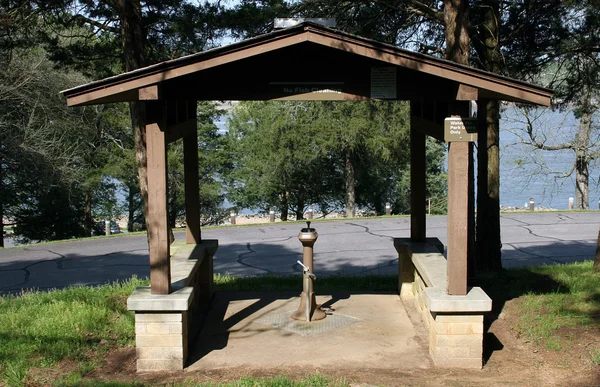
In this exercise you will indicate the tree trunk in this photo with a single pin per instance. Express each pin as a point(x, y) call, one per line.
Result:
point(1, 208)
point(378, 204)
point(130, 208)
point(283, 206)
point(87, 213)
point(597, 259)
point(300, 209)
point(134, 57)
point(488, 157)
point(488, 189)
point(350, 187)
point(1, 225)
point(456, 20)
point(582, 175)
point(172, 216)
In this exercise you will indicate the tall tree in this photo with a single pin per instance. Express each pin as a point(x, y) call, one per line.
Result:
point(597, 257)
point(487, 46)
point(140, 32)
point(279, 158)
point(45, 148)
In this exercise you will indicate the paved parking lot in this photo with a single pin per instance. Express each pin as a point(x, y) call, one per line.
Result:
point(344, 246)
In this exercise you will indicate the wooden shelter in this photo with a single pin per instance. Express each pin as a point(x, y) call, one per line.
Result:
point(309, 62)
point(306, 62)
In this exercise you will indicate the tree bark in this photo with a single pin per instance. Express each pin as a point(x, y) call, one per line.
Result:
point(134, 42)
point(488, 241)
point(350, 187)
point(456, 20)
point(87, 212)
point(1, 206)
point(300, 209)
point(283, 206)
point(378, 204)
point(130, 208)
point(597, 259)
point(582, 161)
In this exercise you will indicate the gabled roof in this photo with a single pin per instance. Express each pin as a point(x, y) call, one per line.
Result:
point(270, 54)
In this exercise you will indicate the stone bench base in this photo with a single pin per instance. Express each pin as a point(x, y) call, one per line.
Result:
point(165, 324)
point(455, 323)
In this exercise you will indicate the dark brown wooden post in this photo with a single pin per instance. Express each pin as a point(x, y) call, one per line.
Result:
point(192, 185)
point(458, 208)
point(158, 230)
point(460, 204)
point(417, 179)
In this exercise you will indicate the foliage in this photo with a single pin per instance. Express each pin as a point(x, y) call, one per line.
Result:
point(291, 154)
point(46, 150)
point(437, 182)
point(88, 35)
point(278, 157)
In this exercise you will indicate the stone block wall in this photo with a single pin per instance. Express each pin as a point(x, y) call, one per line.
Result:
point(161, 341)
point(456, 340)
point(166, 324)
point(455, 323)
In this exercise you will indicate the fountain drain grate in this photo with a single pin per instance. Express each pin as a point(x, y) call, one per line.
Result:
point(285, 322)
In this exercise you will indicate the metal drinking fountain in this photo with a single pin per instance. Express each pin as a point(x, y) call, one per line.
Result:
point(308, 309)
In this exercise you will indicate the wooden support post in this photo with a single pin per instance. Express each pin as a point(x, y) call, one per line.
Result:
point(192, 185)
point(158, 228)
point(471, 247)
point(417, 180)
point(458, 216)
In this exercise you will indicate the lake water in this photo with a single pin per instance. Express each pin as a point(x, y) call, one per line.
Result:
point(526, 172)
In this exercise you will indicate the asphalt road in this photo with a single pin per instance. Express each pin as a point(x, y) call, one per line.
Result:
point(344, 246)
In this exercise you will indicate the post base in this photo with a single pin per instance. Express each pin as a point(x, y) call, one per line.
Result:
point(316, 313)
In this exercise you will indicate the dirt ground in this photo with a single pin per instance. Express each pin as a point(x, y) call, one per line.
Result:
point(510, 360)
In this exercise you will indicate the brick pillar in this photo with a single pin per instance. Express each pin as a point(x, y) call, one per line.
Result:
point(161, 341)
point(456, 340)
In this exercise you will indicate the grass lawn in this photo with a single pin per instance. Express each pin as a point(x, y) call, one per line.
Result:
point(75, 328)
point(557, 306)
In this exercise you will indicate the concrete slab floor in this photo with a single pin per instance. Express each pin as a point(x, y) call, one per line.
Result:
point(383, 338)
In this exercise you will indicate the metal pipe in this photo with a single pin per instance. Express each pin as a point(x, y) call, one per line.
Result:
point(308, 299)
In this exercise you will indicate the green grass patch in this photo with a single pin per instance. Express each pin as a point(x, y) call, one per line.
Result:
point(268, 283)
point(551, 299)
point(79, 324)
point(40, 329)
point(316, 380)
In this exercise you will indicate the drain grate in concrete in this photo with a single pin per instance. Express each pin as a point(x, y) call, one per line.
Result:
point(284, 321)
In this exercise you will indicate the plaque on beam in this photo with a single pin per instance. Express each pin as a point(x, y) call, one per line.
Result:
point(460, 129)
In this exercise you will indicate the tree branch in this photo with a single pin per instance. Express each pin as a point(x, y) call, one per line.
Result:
point(103, 26)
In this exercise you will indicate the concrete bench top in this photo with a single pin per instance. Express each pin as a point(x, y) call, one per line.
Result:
point(142, 300)
point(439, 301)
point(432, 267)
point(186, 258)
point(185, 261)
